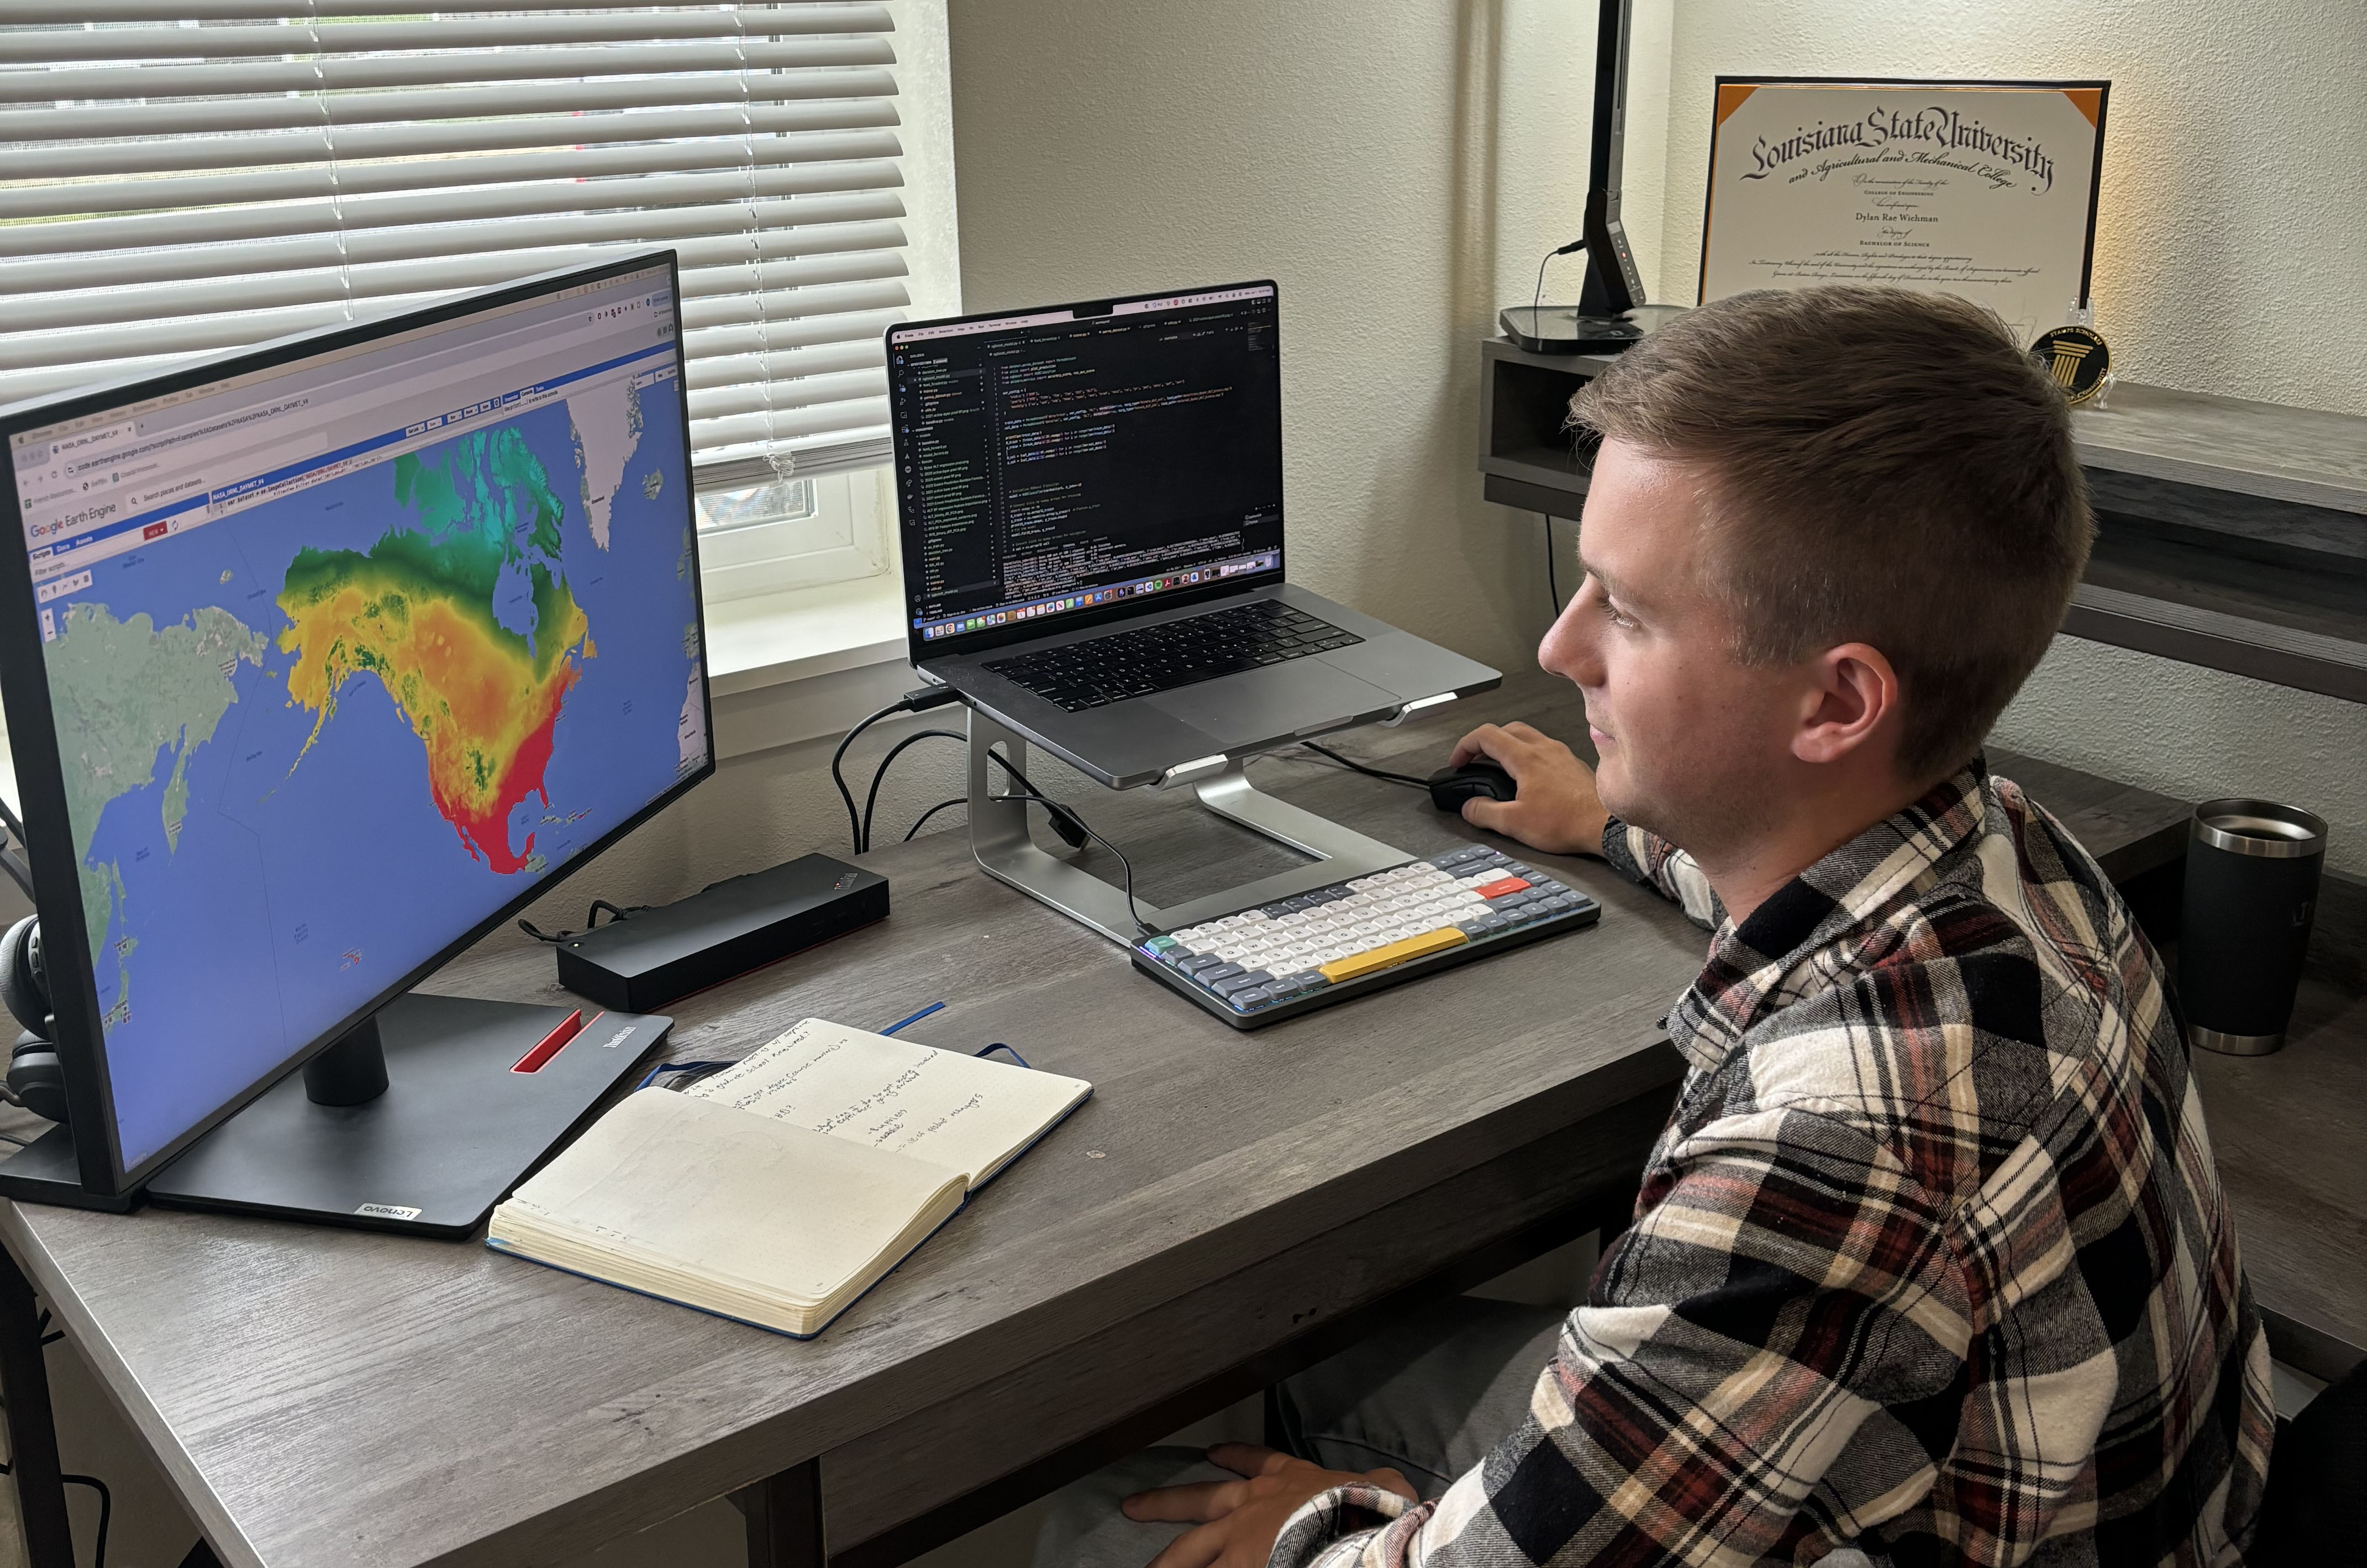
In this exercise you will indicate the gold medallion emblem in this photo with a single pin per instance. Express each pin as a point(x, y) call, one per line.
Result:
point(2076, 359)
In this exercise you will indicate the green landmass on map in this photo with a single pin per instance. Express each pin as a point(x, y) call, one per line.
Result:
point(474, 480)
point(125, 693)
point(404, 571)
point(416, 614)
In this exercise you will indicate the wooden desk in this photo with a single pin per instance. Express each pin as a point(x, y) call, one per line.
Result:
point(1229, 1207)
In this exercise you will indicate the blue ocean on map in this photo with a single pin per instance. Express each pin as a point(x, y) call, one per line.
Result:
point(302, 884)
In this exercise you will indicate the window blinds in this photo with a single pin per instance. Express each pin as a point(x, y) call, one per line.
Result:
point(187, 175)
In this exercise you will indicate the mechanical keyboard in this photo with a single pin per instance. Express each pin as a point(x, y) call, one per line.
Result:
point(1291, 956)
point(1136, 663)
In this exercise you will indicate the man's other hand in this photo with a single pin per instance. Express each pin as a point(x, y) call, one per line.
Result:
point(1239, 1520)
point(1557, 809)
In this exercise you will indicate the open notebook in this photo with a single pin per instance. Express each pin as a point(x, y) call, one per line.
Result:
point(778, 1191)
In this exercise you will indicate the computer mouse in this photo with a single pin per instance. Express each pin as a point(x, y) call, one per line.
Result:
point(1477, 780)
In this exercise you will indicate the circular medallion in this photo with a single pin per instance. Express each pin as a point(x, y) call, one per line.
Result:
point(2074, 358)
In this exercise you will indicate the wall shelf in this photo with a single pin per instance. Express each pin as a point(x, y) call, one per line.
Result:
point(2232, 533)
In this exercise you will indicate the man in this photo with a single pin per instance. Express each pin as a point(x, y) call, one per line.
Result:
point(1931, 1264)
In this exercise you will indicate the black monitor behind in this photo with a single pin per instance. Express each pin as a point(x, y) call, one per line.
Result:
point(1600, 323)
point(466, 1113)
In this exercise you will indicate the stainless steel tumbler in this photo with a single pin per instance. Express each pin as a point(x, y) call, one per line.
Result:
point(2251, 888)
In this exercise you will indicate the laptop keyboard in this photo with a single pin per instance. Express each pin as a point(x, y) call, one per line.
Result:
point(1183, 652)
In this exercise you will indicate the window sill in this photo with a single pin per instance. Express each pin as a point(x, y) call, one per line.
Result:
point(785, 668)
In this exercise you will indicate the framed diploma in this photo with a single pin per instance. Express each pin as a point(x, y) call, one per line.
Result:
point(1986, 189)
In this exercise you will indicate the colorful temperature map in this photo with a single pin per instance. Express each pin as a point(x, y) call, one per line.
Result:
point(308, 744)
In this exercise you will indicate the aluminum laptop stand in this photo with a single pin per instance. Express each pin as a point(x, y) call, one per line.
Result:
point(1006, 848)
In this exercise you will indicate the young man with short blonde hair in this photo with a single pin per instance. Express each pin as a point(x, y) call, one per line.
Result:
point(1932, 1264)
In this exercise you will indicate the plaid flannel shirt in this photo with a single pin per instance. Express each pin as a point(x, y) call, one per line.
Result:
point(1932, 1260)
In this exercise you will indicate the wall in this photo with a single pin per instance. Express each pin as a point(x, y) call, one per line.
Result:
point(2231, 257)
point(1397, 166)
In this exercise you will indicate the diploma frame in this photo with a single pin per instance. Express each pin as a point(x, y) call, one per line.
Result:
point(1730, 91)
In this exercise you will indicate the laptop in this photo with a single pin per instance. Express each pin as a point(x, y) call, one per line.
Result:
point(1094, 539)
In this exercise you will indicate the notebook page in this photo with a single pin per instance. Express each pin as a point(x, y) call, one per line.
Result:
point(898, 1095)
point(732, 1196)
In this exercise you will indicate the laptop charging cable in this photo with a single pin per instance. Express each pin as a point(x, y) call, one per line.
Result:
point(1070, 826)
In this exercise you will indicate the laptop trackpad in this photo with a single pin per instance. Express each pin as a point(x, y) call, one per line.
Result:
point(1282, 699)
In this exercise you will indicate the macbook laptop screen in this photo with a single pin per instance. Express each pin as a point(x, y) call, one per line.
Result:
point(1055, 465)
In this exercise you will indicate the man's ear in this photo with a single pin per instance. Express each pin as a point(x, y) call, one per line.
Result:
point(1853, 701)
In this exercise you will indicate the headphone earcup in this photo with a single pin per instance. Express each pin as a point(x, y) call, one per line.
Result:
point(36, 1078)
point(21, 989)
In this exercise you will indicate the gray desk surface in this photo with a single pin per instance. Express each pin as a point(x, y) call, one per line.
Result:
point(324, 1396)
point(338, 1397)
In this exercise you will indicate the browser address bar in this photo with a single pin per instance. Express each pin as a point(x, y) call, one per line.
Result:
point(335, 400)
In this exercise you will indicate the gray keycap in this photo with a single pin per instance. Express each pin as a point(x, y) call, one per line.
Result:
point(1307, 980)
point(1221, 972)
point(1197, 962)
point(1236, 984)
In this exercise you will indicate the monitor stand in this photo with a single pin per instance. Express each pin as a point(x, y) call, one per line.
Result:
point(420, 1120)
point(1001, 837)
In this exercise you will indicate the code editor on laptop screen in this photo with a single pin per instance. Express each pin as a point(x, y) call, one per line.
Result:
point(1073, 457)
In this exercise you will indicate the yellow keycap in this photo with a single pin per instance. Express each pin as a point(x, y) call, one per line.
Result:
point(1374, 958)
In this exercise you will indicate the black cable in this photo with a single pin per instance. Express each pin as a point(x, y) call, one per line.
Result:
point(106, 1513)
point(855, 823)
point(1538, 300)
point(1553, 579)
point(1065, 822)
point(591, 921)
point(12, 1137)
point(1125, 865)
point(871, 799)
point(927, 697)
point(932, 811)
point(1353, 766)
point(107, 1498)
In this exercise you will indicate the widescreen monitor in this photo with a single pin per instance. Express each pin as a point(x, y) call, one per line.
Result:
point(322, 659)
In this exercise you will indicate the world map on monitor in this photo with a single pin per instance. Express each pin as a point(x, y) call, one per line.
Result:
point(307, 744)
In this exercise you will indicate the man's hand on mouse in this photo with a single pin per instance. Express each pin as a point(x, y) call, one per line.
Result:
point(1556, 810)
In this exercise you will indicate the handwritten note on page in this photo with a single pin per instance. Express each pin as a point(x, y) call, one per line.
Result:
point(959, 1112)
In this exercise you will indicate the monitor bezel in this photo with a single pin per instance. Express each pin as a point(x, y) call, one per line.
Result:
point(40, 779)
point(922, 649)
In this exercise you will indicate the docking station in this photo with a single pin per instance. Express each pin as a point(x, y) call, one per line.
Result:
point(655, 957)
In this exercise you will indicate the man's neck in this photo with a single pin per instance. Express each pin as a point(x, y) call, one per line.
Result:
point(1748, 873)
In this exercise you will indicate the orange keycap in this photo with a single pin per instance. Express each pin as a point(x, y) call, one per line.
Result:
point(1497, 889)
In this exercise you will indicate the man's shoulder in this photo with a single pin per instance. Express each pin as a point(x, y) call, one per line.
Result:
point(1950, 1022)
point(1941, 1013)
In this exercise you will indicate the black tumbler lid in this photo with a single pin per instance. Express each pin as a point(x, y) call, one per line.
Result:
point(2261, 828)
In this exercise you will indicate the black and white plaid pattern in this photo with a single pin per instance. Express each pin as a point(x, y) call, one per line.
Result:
point(1932, 1260)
